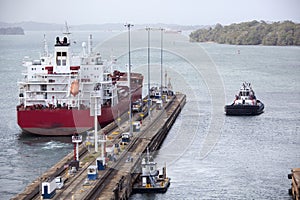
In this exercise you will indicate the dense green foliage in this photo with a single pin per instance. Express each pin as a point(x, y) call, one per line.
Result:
point(251, 33)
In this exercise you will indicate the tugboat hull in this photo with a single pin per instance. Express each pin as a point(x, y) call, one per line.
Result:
point(161, 187)
point(238, 110)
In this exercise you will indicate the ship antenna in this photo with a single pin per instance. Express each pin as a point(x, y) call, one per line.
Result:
point(46, 52)
point(67, 31)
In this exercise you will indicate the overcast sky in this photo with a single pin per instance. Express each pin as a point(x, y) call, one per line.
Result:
point(184, 12)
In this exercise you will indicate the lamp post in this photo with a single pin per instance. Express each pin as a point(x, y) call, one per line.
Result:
point(128, 25)
point(95, 111)
point(149, 105)
point(161, 62)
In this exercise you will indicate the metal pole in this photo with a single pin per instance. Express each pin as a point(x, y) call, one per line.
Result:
point(129, 78)
point(161, 63)
point(96, 126)
point(149, 114)
point(77, 152)
point(102, 145)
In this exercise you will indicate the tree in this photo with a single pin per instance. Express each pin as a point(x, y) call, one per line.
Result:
point(251, 33)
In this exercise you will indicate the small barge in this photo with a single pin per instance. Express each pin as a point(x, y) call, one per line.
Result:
point(245, 103)
point(150, 181)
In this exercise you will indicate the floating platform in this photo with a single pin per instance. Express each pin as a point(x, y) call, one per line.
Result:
point(162, 187)
point(149, 179)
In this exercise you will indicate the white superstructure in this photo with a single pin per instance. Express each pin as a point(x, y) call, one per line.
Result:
point(66, 80)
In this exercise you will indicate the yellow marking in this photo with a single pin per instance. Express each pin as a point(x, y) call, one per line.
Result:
point(110, 137)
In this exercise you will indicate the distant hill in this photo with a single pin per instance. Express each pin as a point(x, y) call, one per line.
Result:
point(11, 31)
point(251, 33)
point(36, 26)
point(33, 26)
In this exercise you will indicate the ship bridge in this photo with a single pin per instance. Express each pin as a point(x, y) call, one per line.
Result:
point(62, 55)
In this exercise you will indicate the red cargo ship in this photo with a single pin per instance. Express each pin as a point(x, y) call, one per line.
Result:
point(57, 92)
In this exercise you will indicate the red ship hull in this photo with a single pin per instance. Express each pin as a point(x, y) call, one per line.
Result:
point(62, 122)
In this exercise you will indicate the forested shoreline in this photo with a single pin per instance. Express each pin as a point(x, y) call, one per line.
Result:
point(251, 33)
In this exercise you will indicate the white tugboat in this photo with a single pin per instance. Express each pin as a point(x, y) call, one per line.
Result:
point(245, 103)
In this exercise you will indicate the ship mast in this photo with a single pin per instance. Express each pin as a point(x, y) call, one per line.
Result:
point(46, 51)
point(67, 32)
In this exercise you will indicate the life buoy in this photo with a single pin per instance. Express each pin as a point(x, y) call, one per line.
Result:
point(74, 90)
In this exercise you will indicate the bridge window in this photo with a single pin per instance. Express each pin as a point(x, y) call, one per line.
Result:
point(43, 87)
point(61, 58)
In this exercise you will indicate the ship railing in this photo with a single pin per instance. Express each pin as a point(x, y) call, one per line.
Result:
point(106, 82)
point(41, 103)
point(96, 93)
point(46, 91)
point(85, 80)
point(22, 82)
point(41, 80)
point(108, 88)
point(32, 98)
point(106, 97)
